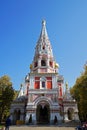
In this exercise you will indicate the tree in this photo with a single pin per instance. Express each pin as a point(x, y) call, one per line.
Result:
point(6, 96)
point(79, 92)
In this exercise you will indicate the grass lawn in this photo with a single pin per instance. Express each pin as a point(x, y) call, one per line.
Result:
point(1, 126)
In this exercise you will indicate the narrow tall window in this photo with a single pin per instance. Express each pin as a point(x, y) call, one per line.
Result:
point(43, 47)
point(51, 64)
point(43, 63)
point(35, 64)
point(43, 84)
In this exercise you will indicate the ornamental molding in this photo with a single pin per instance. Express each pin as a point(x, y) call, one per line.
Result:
point(43, 99)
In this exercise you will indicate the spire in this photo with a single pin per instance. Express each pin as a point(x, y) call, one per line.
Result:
point(43, 44)
point(43, 61)
point(43, 35)
point(21, 91)
point(43, 31)
point(67, 95)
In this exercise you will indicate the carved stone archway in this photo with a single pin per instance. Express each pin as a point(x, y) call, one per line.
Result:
point(16, 116)
point(70, 113)
point(43, 113)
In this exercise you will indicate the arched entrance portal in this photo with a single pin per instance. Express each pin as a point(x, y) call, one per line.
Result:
point(70, 113)
point(43, 114)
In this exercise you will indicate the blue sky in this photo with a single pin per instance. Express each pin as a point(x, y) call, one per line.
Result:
point(20, 26)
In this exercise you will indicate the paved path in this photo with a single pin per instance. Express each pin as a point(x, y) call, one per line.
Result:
point(40, 128)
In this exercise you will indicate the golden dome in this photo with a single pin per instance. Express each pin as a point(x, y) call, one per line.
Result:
point(56, 65)
point(30, 66)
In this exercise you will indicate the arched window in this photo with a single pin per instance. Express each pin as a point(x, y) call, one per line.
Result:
point(51, 64)
point(70, 113)
point(42, 82)
point(43, 47)
point(35, 64)
point(18, 115)
point(43, 63)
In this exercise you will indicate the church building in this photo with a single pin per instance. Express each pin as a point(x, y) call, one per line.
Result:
point(42, 99)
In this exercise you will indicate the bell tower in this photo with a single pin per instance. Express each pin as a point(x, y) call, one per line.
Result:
point(43, 61)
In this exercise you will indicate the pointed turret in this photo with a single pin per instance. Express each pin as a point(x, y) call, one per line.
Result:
point(43, 45)
point(67, 95)
point(43, 31)
point(43, 61)
point(21, 93)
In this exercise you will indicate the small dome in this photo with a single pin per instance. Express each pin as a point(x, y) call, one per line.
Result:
point(30, 66)
point(56, 65)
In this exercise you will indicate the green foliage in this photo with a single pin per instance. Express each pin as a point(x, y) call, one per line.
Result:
point(6, 96)
point(79, 92)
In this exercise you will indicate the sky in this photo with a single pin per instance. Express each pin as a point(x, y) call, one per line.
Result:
point(20, 27)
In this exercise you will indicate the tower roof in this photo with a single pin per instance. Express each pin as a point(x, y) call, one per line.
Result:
point(43, 31)
point(43, 61)
point(43, 44)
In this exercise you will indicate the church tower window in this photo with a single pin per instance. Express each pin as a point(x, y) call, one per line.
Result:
point(43, 63)
point(51, 64)
point(35, 64)
point(43, 47)
point(43, 84)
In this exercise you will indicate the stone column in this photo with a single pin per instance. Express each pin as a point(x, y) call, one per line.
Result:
point(27, 118)
point(76, 117)
point(39, 62)
point(22, 114)
point(39, 65)
point(47, 62)
point(65, 116)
